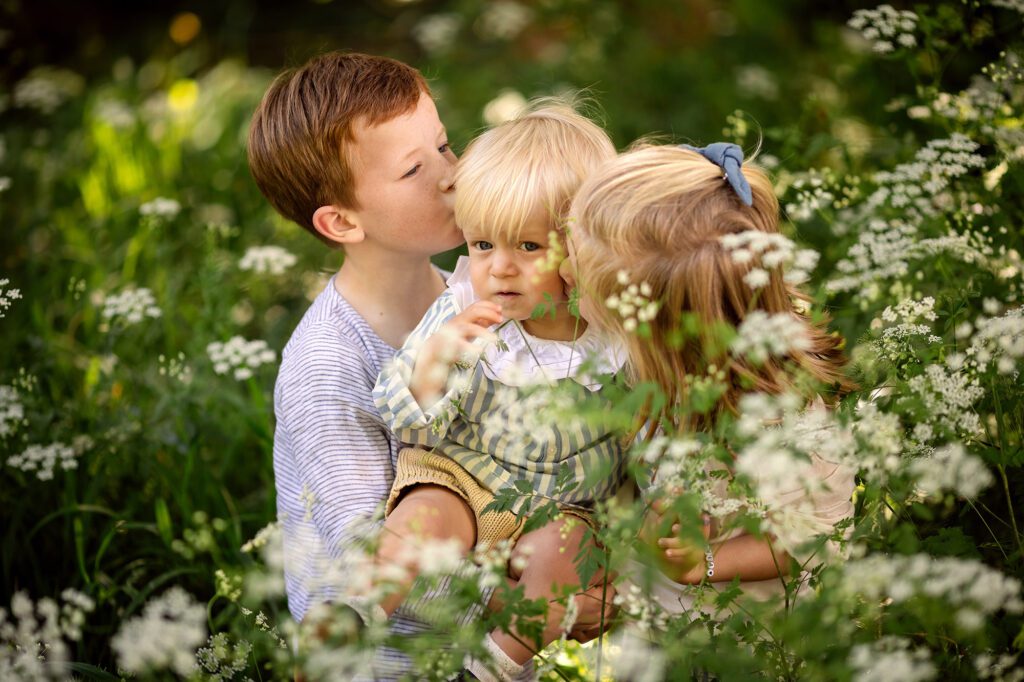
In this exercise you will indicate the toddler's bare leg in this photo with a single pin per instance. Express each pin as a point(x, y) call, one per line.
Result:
point(551, 566)
point(425, 512)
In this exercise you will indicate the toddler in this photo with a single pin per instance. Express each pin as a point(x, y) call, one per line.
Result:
point(514, 185)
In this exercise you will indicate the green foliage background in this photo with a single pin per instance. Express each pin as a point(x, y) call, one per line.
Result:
point(179, 474)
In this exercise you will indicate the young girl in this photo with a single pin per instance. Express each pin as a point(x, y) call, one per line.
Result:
point(667, 216)
point(514, 184)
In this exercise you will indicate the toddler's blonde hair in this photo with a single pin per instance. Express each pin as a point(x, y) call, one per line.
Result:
point(659, 213)
point(536, 161)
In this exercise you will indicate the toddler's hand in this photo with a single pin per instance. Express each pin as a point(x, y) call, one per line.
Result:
point(444, 348)
point(681, 560)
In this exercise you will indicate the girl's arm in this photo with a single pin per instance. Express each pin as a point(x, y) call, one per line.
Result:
point(745, 556)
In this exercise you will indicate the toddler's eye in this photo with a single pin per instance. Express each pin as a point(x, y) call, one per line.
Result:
point(412, 171)
point(482, 245)
point(530, 246)
point(444, 149)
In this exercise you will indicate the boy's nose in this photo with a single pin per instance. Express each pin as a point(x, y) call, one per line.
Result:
point(447, 181)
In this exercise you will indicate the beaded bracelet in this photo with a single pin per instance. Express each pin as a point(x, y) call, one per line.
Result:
point(709, 561)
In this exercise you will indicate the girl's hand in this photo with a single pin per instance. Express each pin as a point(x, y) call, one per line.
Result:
point(680, 560)
point(444, 348)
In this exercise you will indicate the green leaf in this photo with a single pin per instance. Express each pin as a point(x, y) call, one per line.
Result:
point(163, 520)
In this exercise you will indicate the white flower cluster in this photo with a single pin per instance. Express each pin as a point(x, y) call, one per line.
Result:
point(967, 587)
point(43, 460)
point(683, 464)
point(220, 659)
point(948, 398)
point(812, 191)
point(504, 107)
point(753, 80)
point(998, 341)
point(917, 183)
point(239, 355)
point(130, 306)
point(769, 251)
point(895, 343)
point(32, 643)
point(644, 613)
point(45, 89)
point(435, 33)
point(161, 207)
point(493, 561)
point(952, 468)
point(761, 336)
point(12, 412)
point(1004, 667)
point(884, 250)
point(164, 637)
point(891, 659)
point(634, 303)
point(266, 259)
point(1015, 5)
point(175, 368)
point(7, 297)
point(434, 557)
point(886, 28)
point(503, 19)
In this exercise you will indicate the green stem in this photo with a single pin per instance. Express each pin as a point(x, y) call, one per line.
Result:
point(1009, 506)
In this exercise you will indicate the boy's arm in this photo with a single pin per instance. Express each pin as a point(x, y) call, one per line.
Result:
point(340, 448)
point(415, 423)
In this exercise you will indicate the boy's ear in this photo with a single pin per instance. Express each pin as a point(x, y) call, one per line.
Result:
point(338, 224)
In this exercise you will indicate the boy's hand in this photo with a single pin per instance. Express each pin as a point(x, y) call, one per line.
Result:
point(444, 348)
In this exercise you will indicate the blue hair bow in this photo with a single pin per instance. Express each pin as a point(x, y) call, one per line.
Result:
point(728, 157)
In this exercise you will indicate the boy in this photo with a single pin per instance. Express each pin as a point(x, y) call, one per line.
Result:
point(350, 147)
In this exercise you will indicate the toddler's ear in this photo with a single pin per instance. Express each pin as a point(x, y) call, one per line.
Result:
point(338, 224)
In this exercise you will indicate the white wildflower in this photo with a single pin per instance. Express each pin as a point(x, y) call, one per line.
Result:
point(164, 637)
point(436, 32)
point(239, 356)
point(7, 296)
point(12, 412)
point(130, 307)
point(953, 582)
point(46, 88)
point(753, 80)
point(222, 660)
point(266, 260)
point(32, 635)
point(434, 557)
point(634, 303)
point(43, 460)
point(503, 19)
point(883, 25)
point(891, 659)
point(761, 336)
point(506, 106)
point(948, 399)
point(161, 207)
point(951, 468)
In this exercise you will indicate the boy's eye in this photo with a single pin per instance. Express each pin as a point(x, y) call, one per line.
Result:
point(444, 149)
point(412, 171)
point(530, 246)
point(482, 245)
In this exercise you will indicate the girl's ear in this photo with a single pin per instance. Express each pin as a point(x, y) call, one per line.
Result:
point(338, 224)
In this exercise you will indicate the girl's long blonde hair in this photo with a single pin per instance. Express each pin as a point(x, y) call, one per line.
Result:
point(659, 213)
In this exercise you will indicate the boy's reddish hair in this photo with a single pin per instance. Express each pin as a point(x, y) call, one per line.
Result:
point(301, 132)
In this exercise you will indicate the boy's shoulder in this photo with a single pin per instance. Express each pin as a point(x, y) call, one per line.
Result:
point(331, 339)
